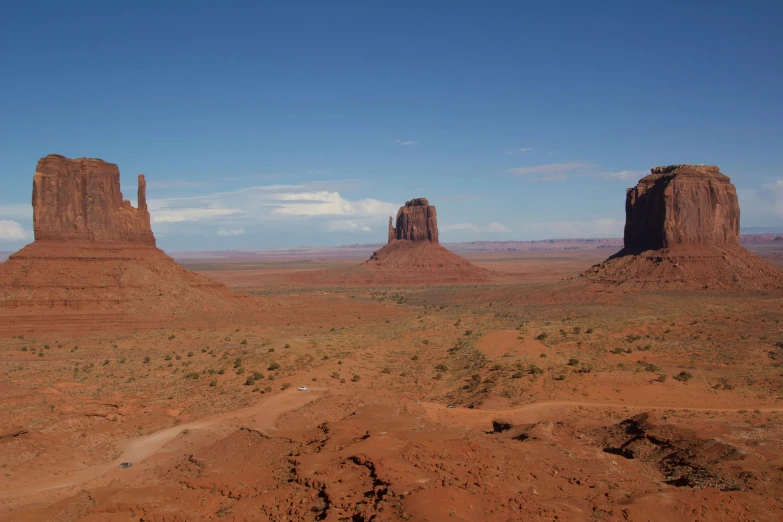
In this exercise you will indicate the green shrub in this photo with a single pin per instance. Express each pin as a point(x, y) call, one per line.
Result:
point(573, 362)
point(542, 336)
point(285, 386)
point(213, 383)
point(273, 366)
point(683, 376)
point(356, 378)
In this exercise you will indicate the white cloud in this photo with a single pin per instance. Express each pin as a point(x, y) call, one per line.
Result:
point(622, 175)
point(343, 225)
point(174, 183)
point(252, 205)
point(606, 227)
point(11, 231)
point(549, 172)
point(561, 171)
point(190, 214)
point(492, 227)
point(406, 142)
point(763, 203)
point(497, 227)
point(460, 226)
point(521, 149)
point(228, 232)
point(16, 210)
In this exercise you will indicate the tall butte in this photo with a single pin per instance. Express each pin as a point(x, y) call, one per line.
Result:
point(682, 230)
point(94, 263)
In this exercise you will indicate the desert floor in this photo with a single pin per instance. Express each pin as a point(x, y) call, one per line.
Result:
point(569, 403)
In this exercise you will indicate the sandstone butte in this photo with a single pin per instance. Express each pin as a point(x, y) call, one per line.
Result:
point(682, 230)
point(94, 263)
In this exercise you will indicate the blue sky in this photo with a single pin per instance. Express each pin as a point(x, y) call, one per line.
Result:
point(282, 124)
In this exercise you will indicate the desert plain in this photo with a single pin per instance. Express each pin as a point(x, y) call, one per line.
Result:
point(657, 405)
point(405, 381)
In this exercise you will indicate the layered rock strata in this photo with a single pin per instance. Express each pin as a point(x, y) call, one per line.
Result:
point(417, 220)
point(682, 231)
point(681, 205)
point(81, 199)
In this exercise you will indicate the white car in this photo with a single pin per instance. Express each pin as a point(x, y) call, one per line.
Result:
point(303, 388)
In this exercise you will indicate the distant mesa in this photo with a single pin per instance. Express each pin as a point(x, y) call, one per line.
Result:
point(94, 263)
point(412, 255)
point(682, 230)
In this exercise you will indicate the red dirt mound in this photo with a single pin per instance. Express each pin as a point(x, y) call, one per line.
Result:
point(688, 267)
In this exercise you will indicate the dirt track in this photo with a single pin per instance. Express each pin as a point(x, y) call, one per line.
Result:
point(259, 416)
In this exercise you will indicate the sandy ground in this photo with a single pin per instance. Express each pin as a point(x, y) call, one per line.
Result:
point(213, 423)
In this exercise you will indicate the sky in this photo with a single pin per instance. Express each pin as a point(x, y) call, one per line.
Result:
point(295, 124)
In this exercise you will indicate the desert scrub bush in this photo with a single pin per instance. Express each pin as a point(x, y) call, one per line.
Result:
point(271, 350)
point(285, 386)
point(171, 337)
point(535, 370)
point(618, 350)
point(335, 375)
point(237, 362)
point(468, 332)
point(243, 341)
point(273, 366)
point(387, 370)
point(661, 378)
point(542, 336)
point(147, 360)
point(190, 354)
point(589, 330)
point(192, 375)
point(415, 358)
point(542, 355)
point(250, 381)
point(650, 367)
point(356, 378)
point(438, 376)
point(577, 330)
point(221, 371)
point(288, 345)
point(167, 357)
point(573, 362)
point(441, 367)
point(212, 383)
point(683, 376)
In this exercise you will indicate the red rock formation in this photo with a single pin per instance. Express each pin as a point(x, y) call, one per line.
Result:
point(682, 231)
point(416, 221)
point(94, 264)
point(81, 199)
point(681, 204)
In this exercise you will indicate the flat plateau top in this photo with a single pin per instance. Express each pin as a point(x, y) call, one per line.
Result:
point(686, 171)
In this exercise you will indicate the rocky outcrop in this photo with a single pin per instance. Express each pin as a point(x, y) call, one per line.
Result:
point(682, 231)
point(94, 264)
point(680, 205)
point(81, 199)
point(416, 221)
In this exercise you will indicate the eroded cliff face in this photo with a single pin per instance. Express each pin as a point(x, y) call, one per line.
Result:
point(81, 199)
point(417, 220)
point(681, 205)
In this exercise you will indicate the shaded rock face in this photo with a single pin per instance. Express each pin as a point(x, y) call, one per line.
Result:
point(416, 221)
point(679, 205)
point(81, 199)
